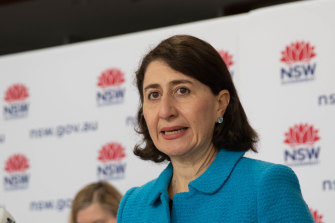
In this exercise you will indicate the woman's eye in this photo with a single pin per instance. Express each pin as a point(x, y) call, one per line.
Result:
point(153, 95)
point(183, 91)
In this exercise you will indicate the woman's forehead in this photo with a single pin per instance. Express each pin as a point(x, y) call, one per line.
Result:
point(160, 72)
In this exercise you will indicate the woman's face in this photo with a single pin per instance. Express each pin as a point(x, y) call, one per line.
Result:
point(180, 111)
point(94, 213)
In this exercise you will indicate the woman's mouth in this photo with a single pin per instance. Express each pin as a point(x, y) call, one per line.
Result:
point(174, 132)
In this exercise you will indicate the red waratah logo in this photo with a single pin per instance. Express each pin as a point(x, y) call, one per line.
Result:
point(17, 163)
point(111, 77)
point(16, 92)
point(111, 152)
point(298, 52)
point(317, 217)
point(302, 134)
point(226, 57)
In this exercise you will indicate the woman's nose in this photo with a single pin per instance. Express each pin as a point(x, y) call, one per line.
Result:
point(167, 109)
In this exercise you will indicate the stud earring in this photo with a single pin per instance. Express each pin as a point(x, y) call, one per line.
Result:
point(220, 120)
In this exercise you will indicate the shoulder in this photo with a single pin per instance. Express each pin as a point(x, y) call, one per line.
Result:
point(138, 194)
point(261, 171)
point(269, 177)
point(277, 173)
point(135, 199)
point(139, 200)
point(279, 197)
point(277, 180)
point(265, 169)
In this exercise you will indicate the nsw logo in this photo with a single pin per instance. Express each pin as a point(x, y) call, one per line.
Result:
point(228, 59)
point(110, 84)
point(16, 106)
point(301, 139)
point(316, 216)
point(297, 60)
point(112, 166)
point(17, 177)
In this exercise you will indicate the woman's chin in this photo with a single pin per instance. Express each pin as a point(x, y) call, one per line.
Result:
point(175, 153)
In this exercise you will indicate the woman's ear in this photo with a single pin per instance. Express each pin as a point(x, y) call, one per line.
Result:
point(223, 99)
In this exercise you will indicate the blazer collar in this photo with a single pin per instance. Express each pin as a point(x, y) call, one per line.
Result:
point(218, 172)
point(161, 184)
point(209, 182)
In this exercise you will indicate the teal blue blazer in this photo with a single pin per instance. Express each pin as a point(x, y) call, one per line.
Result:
point(232, 189)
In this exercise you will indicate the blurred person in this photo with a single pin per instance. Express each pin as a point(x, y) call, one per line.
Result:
point(95, 203)
point(5, 216)
point(190, 116)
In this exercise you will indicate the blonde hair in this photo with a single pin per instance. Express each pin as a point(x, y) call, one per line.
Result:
point(102, 193)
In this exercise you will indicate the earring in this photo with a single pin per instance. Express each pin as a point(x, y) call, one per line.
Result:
point(220, 120)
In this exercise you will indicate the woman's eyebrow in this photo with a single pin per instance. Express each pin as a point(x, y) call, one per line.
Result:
point(174, 82)
point(151, 86)
point(182, 81)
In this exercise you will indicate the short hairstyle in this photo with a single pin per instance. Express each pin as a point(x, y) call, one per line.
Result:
point(102, 193)
point(197, 59)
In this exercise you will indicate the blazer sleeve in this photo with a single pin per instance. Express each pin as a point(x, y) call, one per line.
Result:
point(279, 197)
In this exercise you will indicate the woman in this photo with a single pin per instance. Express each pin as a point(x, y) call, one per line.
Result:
point(96, 202)
point(190, 115)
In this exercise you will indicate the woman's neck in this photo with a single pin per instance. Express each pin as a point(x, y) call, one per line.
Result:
point(187, 170)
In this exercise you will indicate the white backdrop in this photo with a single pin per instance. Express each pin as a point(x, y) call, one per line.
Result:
point(69, 112)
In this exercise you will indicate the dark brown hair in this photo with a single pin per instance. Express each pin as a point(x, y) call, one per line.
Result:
point(102, 193)
point(197, 59)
